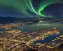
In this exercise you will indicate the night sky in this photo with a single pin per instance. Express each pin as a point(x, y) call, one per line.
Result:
point(31, 8)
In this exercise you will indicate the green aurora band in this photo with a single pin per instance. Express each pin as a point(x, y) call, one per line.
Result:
point(45, 3)
point(23, 5)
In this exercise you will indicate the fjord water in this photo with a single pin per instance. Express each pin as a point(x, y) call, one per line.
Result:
point(44, 25)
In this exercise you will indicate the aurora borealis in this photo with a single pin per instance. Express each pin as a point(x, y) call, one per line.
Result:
point(24, 7)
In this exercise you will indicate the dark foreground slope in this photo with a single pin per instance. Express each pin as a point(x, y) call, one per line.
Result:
point(45, 48)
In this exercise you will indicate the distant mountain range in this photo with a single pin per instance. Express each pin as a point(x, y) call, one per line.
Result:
point(4, 20)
